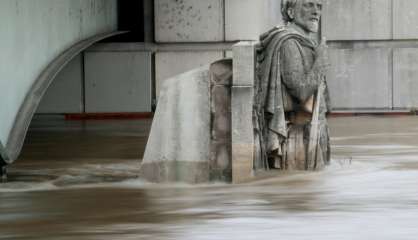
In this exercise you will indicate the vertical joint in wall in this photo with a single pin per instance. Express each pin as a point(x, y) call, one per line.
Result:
point(224, 19)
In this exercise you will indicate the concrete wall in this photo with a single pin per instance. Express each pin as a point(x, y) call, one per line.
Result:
point(247, 19)
point(372, 44)
point(189, 34)
point(373, 50)
point(118, 82)
point(360, 79)
point(357, 19)
point(33, 33)
point(203, 25)
point(168, 64)
point(189, 21)
point(405, 78)
point(66, 92)
point(367, 38)
point(102, 82)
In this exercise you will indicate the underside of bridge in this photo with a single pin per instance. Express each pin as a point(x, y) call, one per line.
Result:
point(53, 86)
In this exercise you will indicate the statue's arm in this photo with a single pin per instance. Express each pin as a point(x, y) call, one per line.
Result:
point(300, 84)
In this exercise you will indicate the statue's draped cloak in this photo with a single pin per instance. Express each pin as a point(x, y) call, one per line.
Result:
point(270, 100)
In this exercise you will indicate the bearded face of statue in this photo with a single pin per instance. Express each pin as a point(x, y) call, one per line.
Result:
point(306, 14)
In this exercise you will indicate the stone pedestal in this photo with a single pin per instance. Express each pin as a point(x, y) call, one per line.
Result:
point(178, 147)
point(242, 133)
point(190, 139)
point(242, 112)
point(221, 81)
point(203, 127)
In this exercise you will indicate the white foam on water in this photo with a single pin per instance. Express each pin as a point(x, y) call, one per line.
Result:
point(27, 187)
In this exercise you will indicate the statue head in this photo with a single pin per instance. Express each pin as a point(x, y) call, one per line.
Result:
point(303, 13)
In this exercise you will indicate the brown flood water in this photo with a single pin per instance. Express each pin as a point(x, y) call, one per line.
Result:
point(78, 180)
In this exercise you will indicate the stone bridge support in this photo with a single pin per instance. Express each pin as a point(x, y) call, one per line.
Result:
point(38, 39)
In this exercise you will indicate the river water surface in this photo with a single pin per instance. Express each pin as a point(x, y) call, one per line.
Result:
point(78, 180)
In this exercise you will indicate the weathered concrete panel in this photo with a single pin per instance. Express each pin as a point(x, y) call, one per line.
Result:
point(247, 19)
point(118, 81)
point(229, 54)
point(405, 78)
point(33, 34)
point(189, 21)
point(405, 18)
point(65, 94)
point(357, 19)
point(360, 78)
point(170, 64)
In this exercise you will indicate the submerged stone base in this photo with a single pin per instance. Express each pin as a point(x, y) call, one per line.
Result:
point(176, 171)
point(190, 138)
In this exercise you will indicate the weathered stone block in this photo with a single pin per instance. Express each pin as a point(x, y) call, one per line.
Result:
point(175, 171)
point(248, 19)
point(170, 64)
point(189, 21)
point(221, 81)
point(357, 19)
point(244, 63)
point(360, 78)
point(220, 163)
point(405, 15)
point(405, 84)
point(242, 133)
point(118, 81)
point(179, 144)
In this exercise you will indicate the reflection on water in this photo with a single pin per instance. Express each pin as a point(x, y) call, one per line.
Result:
point(369, 191)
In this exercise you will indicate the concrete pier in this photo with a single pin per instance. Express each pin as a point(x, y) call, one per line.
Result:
point(34, 50)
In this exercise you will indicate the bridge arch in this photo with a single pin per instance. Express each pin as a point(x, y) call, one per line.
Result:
point(10, 151)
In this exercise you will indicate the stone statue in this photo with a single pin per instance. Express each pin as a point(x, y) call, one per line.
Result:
point(193, 138)
point(292, 98)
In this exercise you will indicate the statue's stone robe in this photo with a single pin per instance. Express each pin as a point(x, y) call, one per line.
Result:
point(285, 80)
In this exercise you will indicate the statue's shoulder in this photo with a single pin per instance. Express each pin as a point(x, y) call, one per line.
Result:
point(279, 33)
point(276, 37)
point(277, 30)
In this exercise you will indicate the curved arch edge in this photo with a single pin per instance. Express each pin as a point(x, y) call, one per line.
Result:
point(11, 150)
